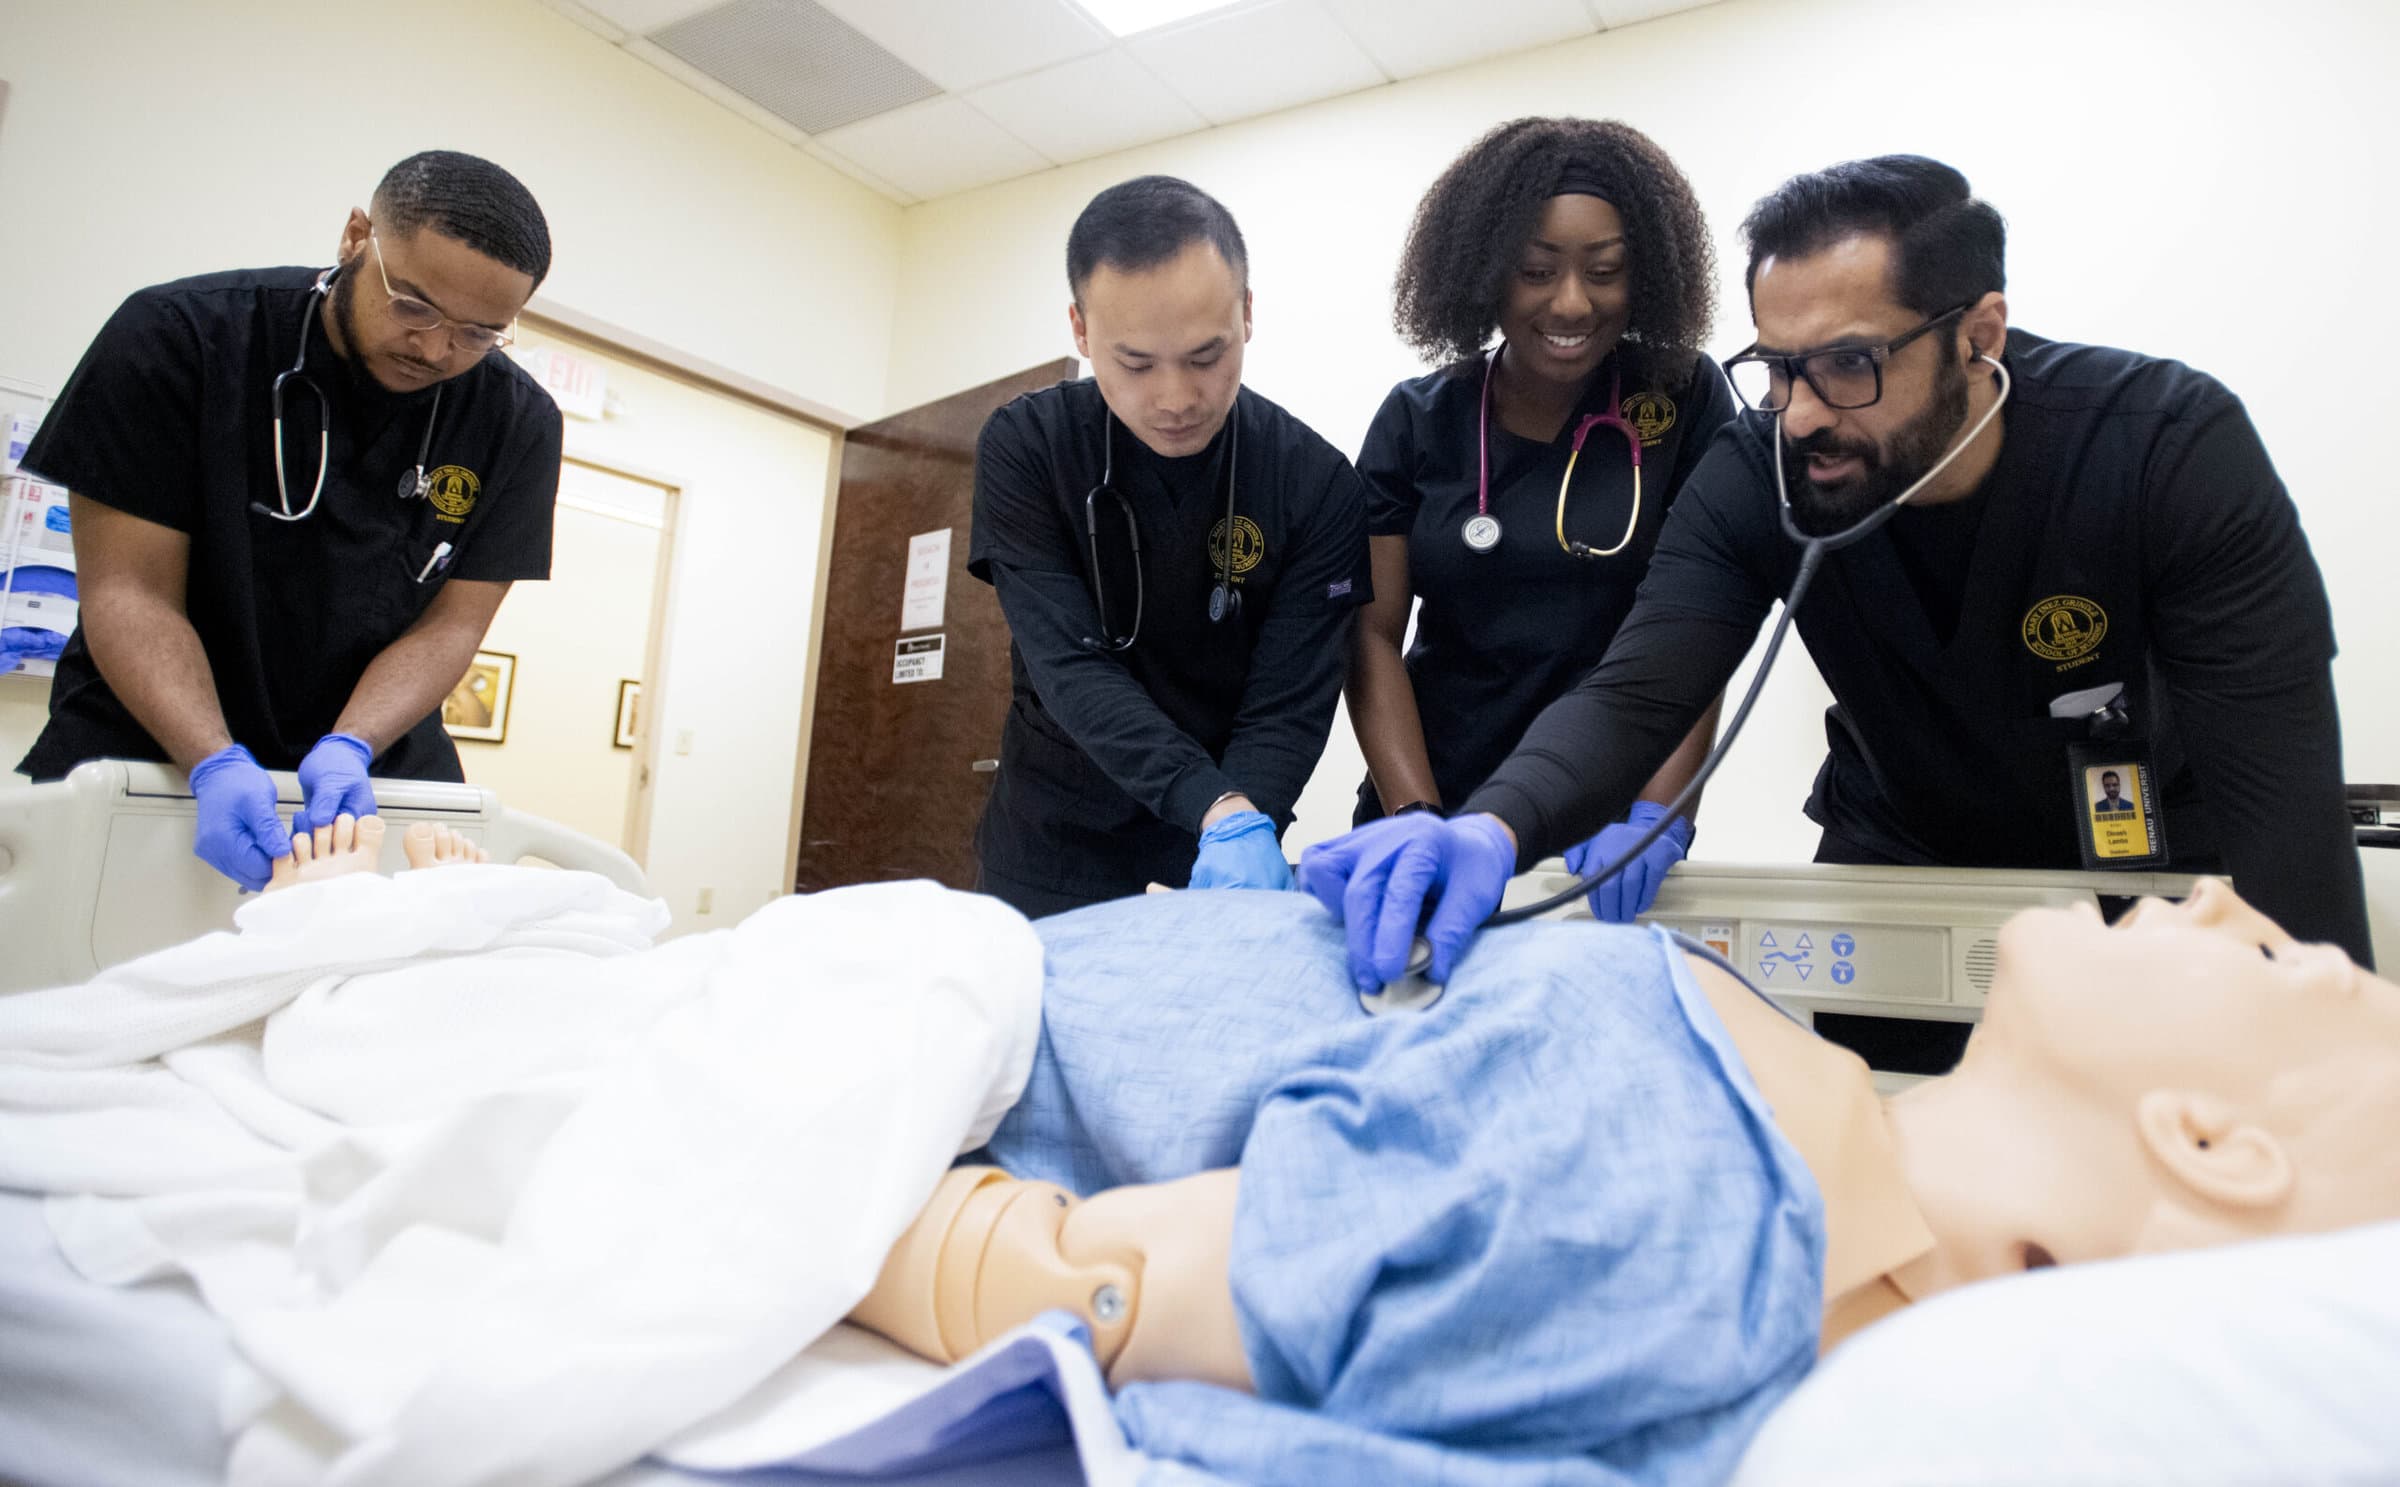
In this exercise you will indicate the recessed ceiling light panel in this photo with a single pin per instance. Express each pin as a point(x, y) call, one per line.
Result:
point(1126, 17)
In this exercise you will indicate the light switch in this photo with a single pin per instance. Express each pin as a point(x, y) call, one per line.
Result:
point(683, 740)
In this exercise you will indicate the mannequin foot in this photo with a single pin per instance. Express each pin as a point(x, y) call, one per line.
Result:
point(428, 845)
point(349, 845)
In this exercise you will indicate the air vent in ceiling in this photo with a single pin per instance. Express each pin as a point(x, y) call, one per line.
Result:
point(797, 60)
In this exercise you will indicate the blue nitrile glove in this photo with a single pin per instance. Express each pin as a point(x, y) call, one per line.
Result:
point(1636, 888)
point(1241, 852)
point(239, 833)
point(333, 781)
point(1376, 880)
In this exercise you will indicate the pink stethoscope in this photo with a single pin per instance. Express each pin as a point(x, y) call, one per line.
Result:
point(1482, 531)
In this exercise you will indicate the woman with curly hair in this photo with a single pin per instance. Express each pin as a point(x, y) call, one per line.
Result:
point(1519, 489)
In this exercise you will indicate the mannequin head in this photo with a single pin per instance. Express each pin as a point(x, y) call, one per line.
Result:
point(2192, 1076)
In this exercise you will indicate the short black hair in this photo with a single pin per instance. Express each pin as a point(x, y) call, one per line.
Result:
point(1948, 248)
point(1141, 223)
point(1475, 219)
point(470, 199)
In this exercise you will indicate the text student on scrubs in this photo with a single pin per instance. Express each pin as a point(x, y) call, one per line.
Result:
point(2117, 525)
point(1179, 561)
point(298, 497)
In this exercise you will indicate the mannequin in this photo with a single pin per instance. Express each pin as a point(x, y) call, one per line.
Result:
point(353, 844)
point(2192, 1076)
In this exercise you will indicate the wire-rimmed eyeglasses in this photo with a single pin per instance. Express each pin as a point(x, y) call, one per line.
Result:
point(415, 314)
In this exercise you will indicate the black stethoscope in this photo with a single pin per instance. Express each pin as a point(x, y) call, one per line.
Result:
point(1412, 994)
point(413, 483)
point(1482, 531)
point(1224, 600)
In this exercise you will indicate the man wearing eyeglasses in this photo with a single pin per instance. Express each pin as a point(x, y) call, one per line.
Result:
point(298, 497)
point(2116, 523)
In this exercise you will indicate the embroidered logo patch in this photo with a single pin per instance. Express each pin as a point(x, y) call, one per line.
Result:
point(1249, 544)
point(2064, 627)
point(1338, 590)
point(1651, 415)
point(453, 491)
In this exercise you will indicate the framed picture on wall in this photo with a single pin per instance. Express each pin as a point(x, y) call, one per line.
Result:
point(629, 713)
point(477, 708)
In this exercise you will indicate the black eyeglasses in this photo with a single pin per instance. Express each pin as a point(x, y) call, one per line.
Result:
point(1842, 377)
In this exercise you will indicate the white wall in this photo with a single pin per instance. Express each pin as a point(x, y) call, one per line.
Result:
point(2198, 179)
point(149, 139)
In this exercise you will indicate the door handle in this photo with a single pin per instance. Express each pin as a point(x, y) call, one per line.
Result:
point(985, 766)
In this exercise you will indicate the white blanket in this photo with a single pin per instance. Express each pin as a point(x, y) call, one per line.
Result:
point(490, 1188)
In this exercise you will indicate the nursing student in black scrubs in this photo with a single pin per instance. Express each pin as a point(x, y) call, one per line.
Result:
point(1519, 489)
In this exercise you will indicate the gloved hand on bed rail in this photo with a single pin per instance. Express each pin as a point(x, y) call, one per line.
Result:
point(1633, 890)
point(239, 833)
point(333, 781)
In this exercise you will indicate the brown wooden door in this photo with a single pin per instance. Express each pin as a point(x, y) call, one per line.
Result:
point(898, 771)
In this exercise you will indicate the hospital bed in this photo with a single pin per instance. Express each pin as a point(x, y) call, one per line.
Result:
point(97, 869)
point(1861, 943)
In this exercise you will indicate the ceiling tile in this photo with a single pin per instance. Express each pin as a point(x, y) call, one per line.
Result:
point(933, 148)
point(797, 60)
point(963, 44)
point(1256, 60)
point(1614, 13)
point(1410, 37)
point(641, 16)
point(1087, 107)
point(709, 87)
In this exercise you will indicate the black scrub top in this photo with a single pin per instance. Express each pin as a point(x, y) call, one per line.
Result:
point(2131, 530)
point(169, 418)
point(1502, 634)
point(1109, 759)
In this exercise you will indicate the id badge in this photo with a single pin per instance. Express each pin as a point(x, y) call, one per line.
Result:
point(2116, 800)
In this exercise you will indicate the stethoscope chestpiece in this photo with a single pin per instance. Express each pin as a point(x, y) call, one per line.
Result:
point(1415, 991)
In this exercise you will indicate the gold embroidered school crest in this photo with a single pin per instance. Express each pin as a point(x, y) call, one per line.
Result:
point(2064, 627)
point(1649, 414)
point(452, 490)
point(1249, 544)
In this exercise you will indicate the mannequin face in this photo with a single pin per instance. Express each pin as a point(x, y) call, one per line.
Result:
point(2192, 1076)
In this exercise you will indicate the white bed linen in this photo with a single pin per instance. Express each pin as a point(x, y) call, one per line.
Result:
point(496, 1189)
point(2266, 1364)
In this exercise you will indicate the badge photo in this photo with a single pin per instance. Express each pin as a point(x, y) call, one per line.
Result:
point(2117, 804)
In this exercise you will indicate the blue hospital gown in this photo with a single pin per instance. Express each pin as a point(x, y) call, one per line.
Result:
point(1544, 1232)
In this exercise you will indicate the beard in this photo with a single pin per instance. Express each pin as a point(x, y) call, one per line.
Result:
point(1914, 448)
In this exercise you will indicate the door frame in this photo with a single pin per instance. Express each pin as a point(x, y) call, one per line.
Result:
point(636, 830)
point(563, 322)
point(816, 656)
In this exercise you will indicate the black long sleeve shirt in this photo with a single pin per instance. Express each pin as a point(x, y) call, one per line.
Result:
point(2132, 495)
point(1110, 758)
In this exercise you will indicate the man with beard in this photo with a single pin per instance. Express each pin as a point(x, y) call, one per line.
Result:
point(2117, 524)
point(298, 497)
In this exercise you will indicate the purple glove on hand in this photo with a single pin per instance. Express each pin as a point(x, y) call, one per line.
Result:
point(238, 832)
point(333, 781)
point(1636, 887)
point(1376, 881)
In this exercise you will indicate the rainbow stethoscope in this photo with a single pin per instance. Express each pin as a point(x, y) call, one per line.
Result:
point(1482, 531)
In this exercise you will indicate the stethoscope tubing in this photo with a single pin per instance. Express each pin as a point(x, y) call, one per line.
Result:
point(1223, 601)
point(1812, 555)
point(418, 485)
point(1611, 418)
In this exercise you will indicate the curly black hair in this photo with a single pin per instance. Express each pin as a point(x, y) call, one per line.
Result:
point(1474, 221)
